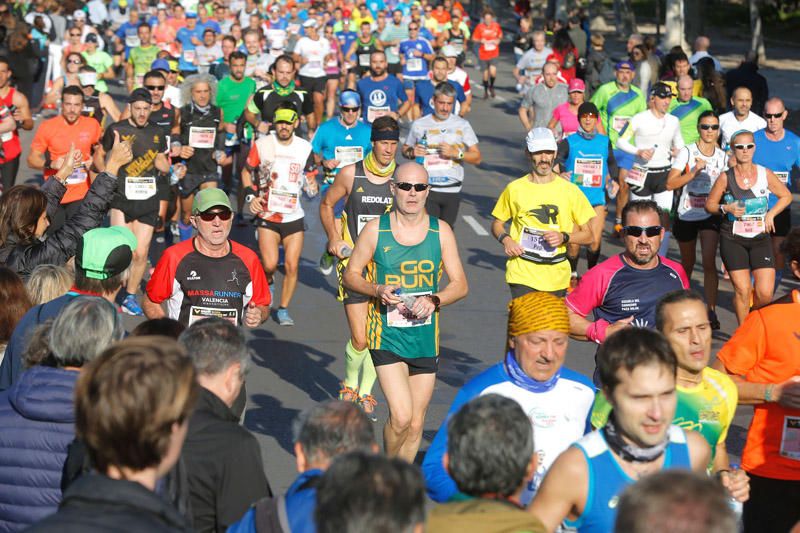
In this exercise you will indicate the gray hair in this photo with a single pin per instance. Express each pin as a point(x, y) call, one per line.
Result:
point(189, 83)
point(214, 345)
point(48, 282)
point(83, 330)
point(444, 89)
point(332, 428)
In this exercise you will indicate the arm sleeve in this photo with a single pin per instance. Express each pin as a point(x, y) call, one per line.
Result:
point(624, 140)
point(261, 295)
point(613, 168)
point(502, 209)
point(108, 139)
point(470, 139)
point(54, 190)
point(401, 92)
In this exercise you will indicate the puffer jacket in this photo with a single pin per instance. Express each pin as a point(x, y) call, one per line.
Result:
point(62, 244)
point(37, 418)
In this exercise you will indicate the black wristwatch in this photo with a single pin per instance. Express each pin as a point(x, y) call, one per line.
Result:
point(502, 236)
point(436, 301)
point(565, 235)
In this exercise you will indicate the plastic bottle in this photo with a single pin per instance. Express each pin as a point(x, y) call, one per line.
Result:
point(424, 143)
point(408, 299)
point(346, 251)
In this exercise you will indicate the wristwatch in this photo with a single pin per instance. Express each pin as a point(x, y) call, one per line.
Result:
point(460, 155)
point(436, 301)
point(565, 235)
point(250, 195)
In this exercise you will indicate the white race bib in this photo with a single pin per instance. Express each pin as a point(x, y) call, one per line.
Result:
point(783, 177)
point(282, 201)
point(79, 175)
point(7, 136)
point(695, 201)
point(405, 319)
point(347, 155)
point(132, 41)
point(377, 112)
point(637, 175)
point(749, 226)
point(588, 172)
point(363, 60)
point(189, 56)
point(435, 163)
point(619, 123)
point(140, 187)
point(362, 221)
point(790, 439)
point(197, 312)
point(532, 240)
point(202, 137)
point(414, 64)
point(490, 47)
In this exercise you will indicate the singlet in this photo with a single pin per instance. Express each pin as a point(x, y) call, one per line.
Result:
point(617, 107)
point(10, 140)
point(692, 201)
point(266, 101)
point(200, 131)
point(688, 113)
point(92, 108)
point(756, 199)
point(197, 286)
point(456, 40)
point(588, 163)
point(607, 481)
point(778, 156)
point(364, 51)
point(417, 269)
point(366, 201)
point(164, 118)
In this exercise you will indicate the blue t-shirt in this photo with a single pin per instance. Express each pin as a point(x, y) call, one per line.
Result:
point(209, 24)
point(184, 36)
point(380, 96)
point(778, 156)
point(423, 94)
point(416, 67)
point(333, 133)
point(375, 6)
point(125, 31)
point(346, 39)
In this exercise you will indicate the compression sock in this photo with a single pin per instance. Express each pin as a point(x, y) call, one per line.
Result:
point(352, 364)
point(664, 248)
point(573, 263)
point(185, 231)
point(368, 375)
point(592, 257)
point(491, 82)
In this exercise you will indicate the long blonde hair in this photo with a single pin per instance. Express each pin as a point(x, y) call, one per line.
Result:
point(48, 282)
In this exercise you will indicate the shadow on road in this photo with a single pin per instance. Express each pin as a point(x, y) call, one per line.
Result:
point(266, 415)
point(456, 368)
point(484, 259)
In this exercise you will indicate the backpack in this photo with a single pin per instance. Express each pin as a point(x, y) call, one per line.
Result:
point(607, 71)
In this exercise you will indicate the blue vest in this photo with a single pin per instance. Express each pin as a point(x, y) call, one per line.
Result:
point(589, 153)
point(607, 481)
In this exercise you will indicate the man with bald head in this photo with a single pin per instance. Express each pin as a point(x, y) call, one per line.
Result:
point(701, 46)
point(778, 149)
point(740, 117)
point(688, 109)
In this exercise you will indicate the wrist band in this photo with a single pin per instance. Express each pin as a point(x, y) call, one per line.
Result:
point(596, 332)
point(502, 236)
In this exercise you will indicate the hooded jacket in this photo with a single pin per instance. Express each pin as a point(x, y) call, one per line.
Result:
point(37, 418)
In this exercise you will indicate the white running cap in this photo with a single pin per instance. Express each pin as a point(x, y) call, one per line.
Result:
point(540, 140)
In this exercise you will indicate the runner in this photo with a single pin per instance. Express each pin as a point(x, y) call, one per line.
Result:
point(423, 92)
point(311, 53)
point(363, 188)
point(415, 55)
point(140, 58)
point(638, 369)
point(382, 92)
point(359, 53)
point(455, 33)
point(458, 75)
point(259, 62)
point(488, 35)
point(694, 170)
point(209, 275)
point(189, 37)
point(443, 142)
point(779, 151)
point(653, 137)
point(742, 195)
point(17, 104)
point(208, 52)
point(739, 117)
point(688, 109)
point(261, 108)
point(540, 100)
point(586, 158)
point(564, 121)
point(546, 213)
point(96, 105)
point(530, 65)
point(102, 62)
point(391, 36)
point(407, 251)
point(283, 162)
point(141, 183)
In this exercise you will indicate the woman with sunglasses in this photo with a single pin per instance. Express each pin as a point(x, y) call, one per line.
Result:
point(694, 171)
point(73, 61)
point(742, 195)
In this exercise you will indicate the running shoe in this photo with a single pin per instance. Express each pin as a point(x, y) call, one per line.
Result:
point(348, 394)
point(131, 306)
point(713, 320)
point(283, 317)
point(368, 404)
point(617, 231)
point(326, 264)
point(173, 228)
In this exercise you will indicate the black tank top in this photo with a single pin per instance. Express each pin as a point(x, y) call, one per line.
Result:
point(92, 108)
point(364, 50)
point(367, 200)
point(164, 118)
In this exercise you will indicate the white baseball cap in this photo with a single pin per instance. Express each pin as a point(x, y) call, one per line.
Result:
point(540, 140)
point(310, 23)
point(79, 14)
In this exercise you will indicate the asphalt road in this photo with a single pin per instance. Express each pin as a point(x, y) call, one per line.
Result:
point(294, 367)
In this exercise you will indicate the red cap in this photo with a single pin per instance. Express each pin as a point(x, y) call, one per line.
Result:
point(576, 84)
point(346, 13)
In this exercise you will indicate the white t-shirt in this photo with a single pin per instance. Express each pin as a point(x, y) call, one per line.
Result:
point(286, 164)
point(692, 203)
point(208, 54)
point(460, 76)
point(661, 134)
point(532, 61)
point(728, 125)
point(314, 52)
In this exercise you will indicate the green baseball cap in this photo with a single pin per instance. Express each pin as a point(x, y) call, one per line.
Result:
point(105, 252)
point(208, 198)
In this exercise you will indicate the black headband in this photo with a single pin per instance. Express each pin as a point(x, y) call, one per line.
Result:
point(385, 135)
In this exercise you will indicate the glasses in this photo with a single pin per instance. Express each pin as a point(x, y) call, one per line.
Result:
point(75, 62)
point(74, 34)
point(773, 115)
point(413, 28)
point(405, 186)
point(154, 87)
point(349, 110)
point(748, 146)
point(714, 127)
point(636, 231)
point(210, 216)
point(593, 115)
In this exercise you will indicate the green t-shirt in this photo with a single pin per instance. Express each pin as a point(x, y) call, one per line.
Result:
point(688, 114)
point(141, 58)
point(232, 96)
point(617, 107)
point(100, 61)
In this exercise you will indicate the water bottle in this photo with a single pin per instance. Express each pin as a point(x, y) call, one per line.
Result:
point(407, 299)
point(732, 502)
point(345, 251)
point(424, 143)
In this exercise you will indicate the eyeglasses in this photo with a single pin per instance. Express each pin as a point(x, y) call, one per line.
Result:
point(709, 127)
point(636, 231)
point(349, 110)
point(773, 115)
point(405, 186)
point(154, 87)
point(748, 146)
point(210, 216)
point(75, 62)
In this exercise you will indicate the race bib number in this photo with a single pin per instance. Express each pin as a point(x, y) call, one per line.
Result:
point(790, 440)
point(197, 312)
point(749, 226)
point(377, 112)
point(399, 316)
point(282, 201)
point(637, 175)
point(436, 163)
point(362, 221)
point(189, 56)
point(79, 175)
point(694, 201)
point(202, 137)
point(414, 63)
point(132, 41)
point(490, 47)
point(783, 177)
point(7, 136)
point(140, 187)
point(315, 65)
point(347, 155)
point(363, 60)
point(532, 241)
point(619, 123)
point(588, 172)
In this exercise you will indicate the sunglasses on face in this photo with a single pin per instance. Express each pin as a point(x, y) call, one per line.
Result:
point(405, 186)
point(210, 216)
point(349, 110)
point(593, 115)
point(714, 127)
point(154, 87)
point(773, 115)
point(636, 231)
point(748, 146)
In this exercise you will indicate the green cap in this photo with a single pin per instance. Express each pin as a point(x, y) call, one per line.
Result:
point(208, 198)
point(105, 252)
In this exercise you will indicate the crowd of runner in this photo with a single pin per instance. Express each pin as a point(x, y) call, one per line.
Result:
point(172, 122)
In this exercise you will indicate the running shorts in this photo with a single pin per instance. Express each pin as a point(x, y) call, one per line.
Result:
point(416, 365)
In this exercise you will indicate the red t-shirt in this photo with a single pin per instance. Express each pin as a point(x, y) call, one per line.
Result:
point(492, 32)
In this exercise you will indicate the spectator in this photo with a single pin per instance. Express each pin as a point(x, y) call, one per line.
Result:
point(23, 60)
point(746, 75)
point(39, 408)
point(675, 501)
point(132, 405)
point(362, 492)
point(323, 432)
point(101, 269)
point(48, 282)
point(701, 46)
point(644, 77)
point(166, 327)
point(566, 55)
point(599, 68)
point(713, 84)
point(491, 457)
point(223, 460)
point(16, 303)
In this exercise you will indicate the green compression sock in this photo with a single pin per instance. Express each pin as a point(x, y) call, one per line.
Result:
point(353, 361)
point(368, 375)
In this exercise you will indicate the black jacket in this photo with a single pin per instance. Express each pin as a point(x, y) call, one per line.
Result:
point(62, 244)
point(97, 503)
point(223, 464)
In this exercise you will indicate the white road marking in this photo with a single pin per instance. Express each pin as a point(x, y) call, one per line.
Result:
point(476, 227)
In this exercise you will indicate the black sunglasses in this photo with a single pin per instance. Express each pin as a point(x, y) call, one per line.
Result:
point(349, 110)
point(773, 115)
point(748, 146)
point(210, 216)
point(709, 127)
point(154, 87)
point(405, 186)
point(636, 231)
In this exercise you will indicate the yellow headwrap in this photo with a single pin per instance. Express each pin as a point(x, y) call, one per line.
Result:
point(537, 311)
